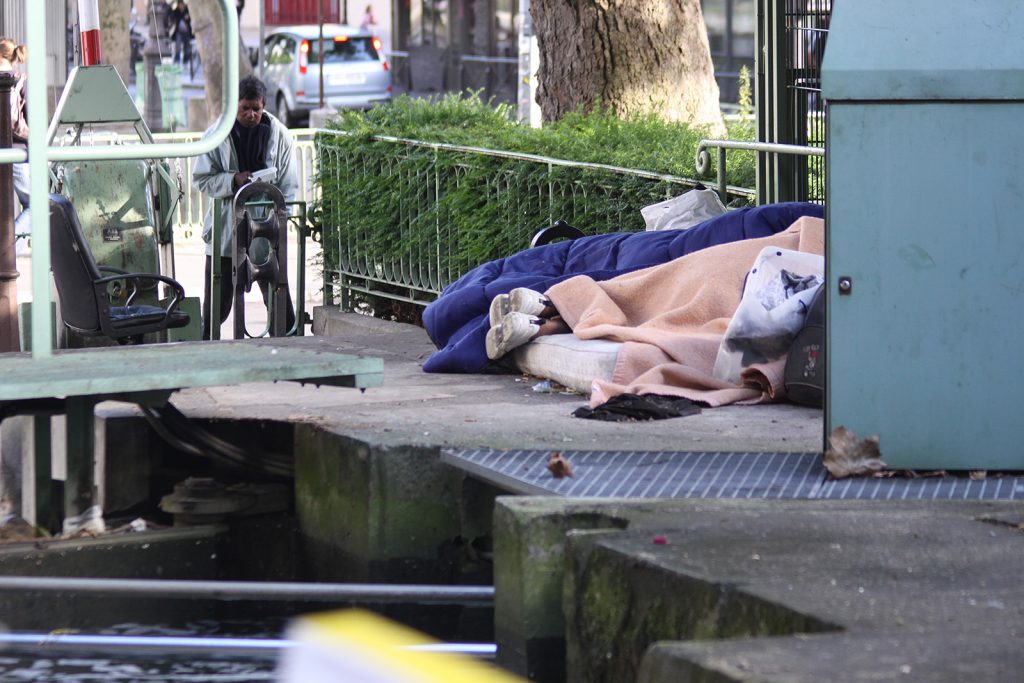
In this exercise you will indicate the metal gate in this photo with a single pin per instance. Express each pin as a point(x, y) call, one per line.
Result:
point(791, 37)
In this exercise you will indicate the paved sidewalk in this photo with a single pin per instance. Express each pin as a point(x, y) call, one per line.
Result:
point(414, 408)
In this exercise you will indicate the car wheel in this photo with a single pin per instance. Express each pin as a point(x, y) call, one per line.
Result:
point(283, 113)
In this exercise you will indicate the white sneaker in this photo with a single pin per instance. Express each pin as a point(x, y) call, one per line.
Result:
point(527, 301)
point(514, 330)
point(499, 309)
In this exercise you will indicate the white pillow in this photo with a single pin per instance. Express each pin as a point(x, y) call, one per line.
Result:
point(684, 211)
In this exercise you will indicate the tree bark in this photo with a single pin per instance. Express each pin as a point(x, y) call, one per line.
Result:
point(208, 27)
point(114, 34)
point(631, 56)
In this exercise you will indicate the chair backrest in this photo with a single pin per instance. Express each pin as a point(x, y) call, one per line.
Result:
point(74, 269)
point(113, 201)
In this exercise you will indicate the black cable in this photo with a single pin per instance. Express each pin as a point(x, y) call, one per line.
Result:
point(179, 431)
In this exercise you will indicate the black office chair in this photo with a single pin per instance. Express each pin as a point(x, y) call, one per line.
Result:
point(84, 300)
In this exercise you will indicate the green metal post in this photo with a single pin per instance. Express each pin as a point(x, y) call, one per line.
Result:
point(300, 276)
point(215, 274)
point(723, 189)
point(39, 175)
point(45, 514)
point(79, 487)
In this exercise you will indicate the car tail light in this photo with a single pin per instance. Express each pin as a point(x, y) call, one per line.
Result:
point(377, 44)
point(303, 56)
point(385, 65)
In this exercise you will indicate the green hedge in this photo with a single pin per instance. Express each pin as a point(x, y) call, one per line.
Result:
point(640, 142)
point(382, 198)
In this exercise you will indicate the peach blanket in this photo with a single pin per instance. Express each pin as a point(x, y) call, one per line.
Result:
point(672, 318)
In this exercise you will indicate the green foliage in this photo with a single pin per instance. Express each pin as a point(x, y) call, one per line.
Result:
point(639, 142)
point(418, 216)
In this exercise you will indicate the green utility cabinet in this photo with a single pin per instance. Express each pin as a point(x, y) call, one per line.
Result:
point(925, 230)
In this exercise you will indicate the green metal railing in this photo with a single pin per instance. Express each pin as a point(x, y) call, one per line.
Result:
point(411, 251)
point(790, 44)
point(774, 150)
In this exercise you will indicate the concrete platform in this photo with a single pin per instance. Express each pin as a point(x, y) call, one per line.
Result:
point(498, 411)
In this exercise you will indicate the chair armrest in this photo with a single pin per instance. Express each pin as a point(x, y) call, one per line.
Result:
point(134, 287)
point(179, 291)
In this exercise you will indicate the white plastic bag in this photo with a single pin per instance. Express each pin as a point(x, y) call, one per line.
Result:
point(684, 211)
point(776, 295)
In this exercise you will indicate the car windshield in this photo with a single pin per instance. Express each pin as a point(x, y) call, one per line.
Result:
point(343, 49)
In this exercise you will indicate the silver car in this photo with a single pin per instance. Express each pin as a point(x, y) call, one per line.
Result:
point(356, 75)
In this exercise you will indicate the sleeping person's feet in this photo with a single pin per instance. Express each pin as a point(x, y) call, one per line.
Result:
point(522, 300)
point(512, 331)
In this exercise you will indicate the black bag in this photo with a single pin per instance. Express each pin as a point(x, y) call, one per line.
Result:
point(804, 377)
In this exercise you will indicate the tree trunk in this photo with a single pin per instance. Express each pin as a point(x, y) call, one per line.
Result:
point(631, 56)
point(208, 27)
point(114, 34)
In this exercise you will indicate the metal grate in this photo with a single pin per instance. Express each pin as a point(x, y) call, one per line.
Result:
point(688, 474)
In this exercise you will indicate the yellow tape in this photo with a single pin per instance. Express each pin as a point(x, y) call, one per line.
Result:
point(377, 643)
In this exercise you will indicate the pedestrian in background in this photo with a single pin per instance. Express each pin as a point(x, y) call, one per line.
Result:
point(179, 30)
point(368, 19)
point(11, 55)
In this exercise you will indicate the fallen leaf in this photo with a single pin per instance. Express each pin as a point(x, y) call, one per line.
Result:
point(558, 465)
point(978, 475)
point(852, 456)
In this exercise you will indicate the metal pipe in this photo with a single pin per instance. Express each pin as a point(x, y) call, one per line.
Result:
point(256, 590)
point(320, 50)
point(199, 645)
point(39, 180)
point(444, 146)
point(89, 27)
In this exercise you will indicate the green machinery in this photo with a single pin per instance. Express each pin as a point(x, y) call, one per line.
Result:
point(925, 273)
point(127, 207)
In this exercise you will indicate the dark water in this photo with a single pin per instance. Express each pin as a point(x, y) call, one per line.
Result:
point(122, 666)
point(79, 668)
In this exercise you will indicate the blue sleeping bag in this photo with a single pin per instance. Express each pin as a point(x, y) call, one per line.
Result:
point(457, 321)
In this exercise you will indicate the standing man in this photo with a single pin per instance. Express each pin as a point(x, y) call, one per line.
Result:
point(257, 141)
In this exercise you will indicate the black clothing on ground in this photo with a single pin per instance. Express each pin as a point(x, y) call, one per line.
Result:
point(633, 408)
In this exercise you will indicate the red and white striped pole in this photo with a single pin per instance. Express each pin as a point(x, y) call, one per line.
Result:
point(89, 24)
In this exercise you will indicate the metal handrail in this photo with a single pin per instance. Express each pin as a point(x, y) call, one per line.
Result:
point(252, 647)
point(256, 590)
point(703, 159)
point(523, 156)
point(483, 59)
